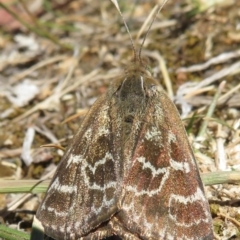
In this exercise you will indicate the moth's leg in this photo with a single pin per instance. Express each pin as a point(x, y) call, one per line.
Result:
point(99, 233)
point(120, 230)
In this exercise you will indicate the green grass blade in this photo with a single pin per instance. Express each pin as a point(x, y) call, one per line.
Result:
point(8, 233)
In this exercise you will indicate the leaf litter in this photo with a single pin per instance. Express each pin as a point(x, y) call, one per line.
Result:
point(192, 48)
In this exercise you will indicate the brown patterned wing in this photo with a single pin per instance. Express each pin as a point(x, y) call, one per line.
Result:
point(82, 194)
point(163, 196)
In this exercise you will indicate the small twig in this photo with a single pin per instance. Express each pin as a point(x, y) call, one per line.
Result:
point(209, 46)
point(146, 22)
point(198, 91)
point(223, 57)
point(27, 144)
point(163, 68)
point(222, 98)
point(221, 155)
point(17, 202)
point(10, 153)
point(220, 74)
point(228, 94)
point(53, 146)
point(234, 221)
point(46, 132)
point(74, 116)
point(186, 88)
point(211, 109)
point(35, 67)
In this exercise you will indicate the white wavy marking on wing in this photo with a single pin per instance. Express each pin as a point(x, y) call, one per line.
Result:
point(153, 135)
point(146, 164)
point(56, 185)
point(171, 137)
point(155, 172)
point(182, 166)
point(108, 156)
point(85, 165)
point(197, 196)
point(105, 203)
point(102, 131)
point(94, 186)
point(150, 193)
point(57, 213)
point(60, 188)
point(88, 133)
point(111, 184)
point(73, 159)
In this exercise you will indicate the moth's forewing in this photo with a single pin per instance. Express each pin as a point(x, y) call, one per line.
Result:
point(84, 191)
point(163, 196)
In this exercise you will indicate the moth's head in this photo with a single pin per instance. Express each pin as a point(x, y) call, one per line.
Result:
point(140, 66)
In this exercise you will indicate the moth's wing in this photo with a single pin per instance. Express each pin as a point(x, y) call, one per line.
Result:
point(163, 195)
point(82, 194)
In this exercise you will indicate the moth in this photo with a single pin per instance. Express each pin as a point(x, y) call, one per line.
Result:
point(129, 171)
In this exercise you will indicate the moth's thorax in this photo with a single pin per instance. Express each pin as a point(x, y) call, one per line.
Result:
point(132, 94)
point(136, 83)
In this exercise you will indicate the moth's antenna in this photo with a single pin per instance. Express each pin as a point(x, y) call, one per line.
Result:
point(134, 49)
point(148, 30)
